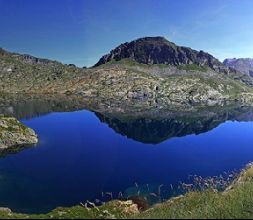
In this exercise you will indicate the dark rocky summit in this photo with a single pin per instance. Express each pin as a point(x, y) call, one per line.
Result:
point(244, 65)
point(158, 50)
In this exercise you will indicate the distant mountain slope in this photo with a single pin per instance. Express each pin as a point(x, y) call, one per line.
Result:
point(25, 58)
point(244, 65)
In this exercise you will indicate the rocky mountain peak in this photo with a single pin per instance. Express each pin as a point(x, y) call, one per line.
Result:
point(158, 50)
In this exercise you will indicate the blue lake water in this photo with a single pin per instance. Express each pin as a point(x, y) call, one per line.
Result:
point(78, 158)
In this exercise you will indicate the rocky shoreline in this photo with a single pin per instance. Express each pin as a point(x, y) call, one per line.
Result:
point(15, 135)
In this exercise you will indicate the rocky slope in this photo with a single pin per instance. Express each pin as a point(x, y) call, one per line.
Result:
point(24, 73)
point(14, 134)
point(242, 65)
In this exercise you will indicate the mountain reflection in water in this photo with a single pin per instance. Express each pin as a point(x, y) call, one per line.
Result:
point(147, 125)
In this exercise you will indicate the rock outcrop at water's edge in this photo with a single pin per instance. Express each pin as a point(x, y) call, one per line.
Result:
point(13, 134)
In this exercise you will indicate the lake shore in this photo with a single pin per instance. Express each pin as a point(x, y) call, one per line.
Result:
point(234, 202)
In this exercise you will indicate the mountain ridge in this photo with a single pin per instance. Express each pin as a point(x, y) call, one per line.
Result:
point(29, 59)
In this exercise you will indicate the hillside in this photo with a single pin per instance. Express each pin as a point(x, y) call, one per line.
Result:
point(169, 75)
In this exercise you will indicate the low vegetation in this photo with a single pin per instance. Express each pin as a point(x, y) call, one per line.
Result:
point(193, 67)
point(236, 202)
point(114, 209)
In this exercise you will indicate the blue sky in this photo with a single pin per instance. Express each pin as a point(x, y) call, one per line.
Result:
point(81, 31)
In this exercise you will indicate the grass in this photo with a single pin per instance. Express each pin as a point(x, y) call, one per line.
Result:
point(110, 210)
point(237, 202)
point(13, 124)
point(192, 67)
point(132, 63)
point(207, 204)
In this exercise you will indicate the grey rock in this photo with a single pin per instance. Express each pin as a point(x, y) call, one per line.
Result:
point(14, 134)
point(244, 65)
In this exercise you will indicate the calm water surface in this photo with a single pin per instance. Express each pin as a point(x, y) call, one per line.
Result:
point(79, 157)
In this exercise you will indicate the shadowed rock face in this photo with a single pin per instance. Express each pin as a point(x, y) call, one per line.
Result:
point(158, 50)
point(242, 65)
